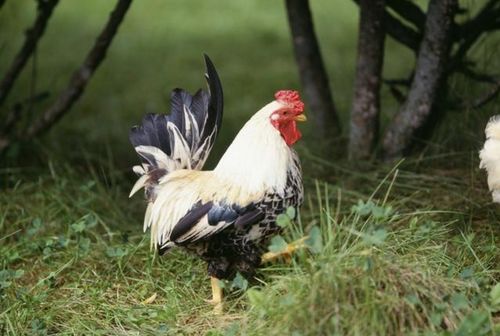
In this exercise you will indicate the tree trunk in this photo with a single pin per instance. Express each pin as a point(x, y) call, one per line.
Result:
point(366, 102)
point(311, 68)
point(33, 35)
point(431, 60)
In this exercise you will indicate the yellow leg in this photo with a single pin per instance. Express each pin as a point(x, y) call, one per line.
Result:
point(287, 253)
point(216, 295)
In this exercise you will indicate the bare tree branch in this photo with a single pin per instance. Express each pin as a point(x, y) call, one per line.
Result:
point(402, 33)
point(488, 19)
point(33, 34)
point(486, 14)
point(468, 34)
point(14, 114)
point(81, 76)
point(12, 118)
point(477, 76)
point(406, 82)
point(311, 68)
point(397, 94)
point(429, 68)
point(366, 102)
point(399, 31)
point(395, 86)
point(479, 102)
point(409, 11)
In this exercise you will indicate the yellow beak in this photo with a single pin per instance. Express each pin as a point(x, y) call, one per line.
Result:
point(301, 117)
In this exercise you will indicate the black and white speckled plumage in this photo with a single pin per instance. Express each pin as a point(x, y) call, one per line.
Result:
point(239, 248)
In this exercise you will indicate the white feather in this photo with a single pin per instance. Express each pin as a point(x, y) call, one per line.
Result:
point(147, 217)
point(138, 184)
point(187, 120)
point(139, 170)
point(175, 197)
point(202, 229)
point(202, 153)
point(163, 161)
point(490, 157)
point(258, 158)
point(182, 152)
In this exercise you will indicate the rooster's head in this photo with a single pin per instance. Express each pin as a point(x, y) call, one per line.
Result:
point(284, 118)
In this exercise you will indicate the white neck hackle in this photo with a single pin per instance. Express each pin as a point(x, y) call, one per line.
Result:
point(258, 158)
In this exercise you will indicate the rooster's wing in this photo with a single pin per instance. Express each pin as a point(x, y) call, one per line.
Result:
point(205, 220)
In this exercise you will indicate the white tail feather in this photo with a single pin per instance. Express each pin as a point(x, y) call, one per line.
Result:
point(162, 160)
point(182, 152)
point(139, 170)
point(138, 185)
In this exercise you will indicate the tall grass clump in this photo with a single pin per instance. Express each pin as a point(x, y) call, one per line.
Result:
point(375, 270)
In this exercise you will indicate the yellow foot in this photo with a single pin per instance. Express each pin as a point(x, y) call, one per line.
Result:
point(287, 253)
point(216, 300)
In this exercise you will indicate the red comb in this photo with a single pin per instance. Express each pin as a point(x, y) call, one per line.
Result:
point(292, 98)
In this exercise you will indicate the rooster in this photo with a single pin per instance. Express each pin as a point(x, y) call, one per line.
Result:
point(226, 215)
point(490, 156)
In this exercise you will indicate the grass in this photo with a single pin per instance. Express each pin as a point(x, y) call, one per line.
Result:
point(383, 270)
point(382, 259)
point(394, 250)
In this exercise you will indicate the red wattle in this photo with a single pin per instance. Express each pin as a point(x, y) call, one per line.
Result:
point(289, 132)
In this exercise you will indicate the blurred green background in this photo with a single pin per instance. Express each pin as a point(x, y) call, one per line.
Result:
point(159, 47)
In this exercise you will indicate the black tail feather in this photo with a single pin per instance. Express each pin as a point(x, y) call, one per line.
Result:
point(216, 104)
point(152, 132)
point(195, 118)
